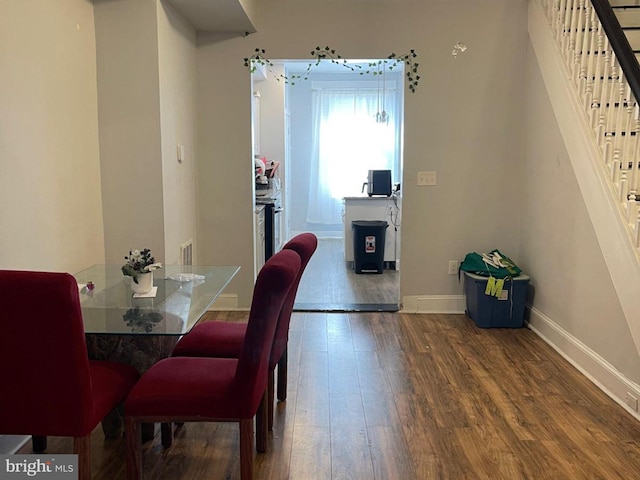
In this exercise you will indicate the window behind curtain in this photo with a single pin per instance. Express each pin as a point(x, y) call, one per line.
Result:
point(348, 141)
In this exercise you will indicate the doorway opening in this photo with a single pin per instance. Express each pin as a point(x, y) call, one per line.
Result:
point(336, 125)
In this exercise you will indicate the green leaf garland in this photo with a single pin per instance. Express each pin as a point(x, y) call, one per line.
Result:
point(373, 68)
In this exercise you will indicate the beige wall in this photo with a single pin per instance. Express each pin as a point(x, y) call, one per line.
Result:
point(146, 85)
point(224, 178)
point(464, 122)
point(571, 283)
point(272, 110)
point(50, 204)
point(249, 6)
point(177, 68)
point(130, 133)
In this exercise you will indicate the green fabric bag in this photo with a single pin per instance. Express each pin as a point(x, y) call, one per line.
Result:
point(493, 264)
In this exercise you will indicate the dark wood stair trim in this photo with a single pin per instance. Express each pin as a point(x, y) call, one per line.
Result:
point(619, 43)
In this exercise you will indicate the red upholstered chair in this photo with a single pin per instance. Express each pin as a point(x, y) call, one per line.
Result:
point(197, 389)
point(224, 339)
point(50, 387)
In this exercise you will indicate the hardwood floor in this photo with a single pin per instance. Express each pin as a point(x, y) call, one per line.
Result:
point(405, 396)
point(329, 285)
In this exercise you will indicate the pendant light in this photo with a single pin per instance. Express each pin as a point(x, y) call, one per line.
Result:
point(382, 116)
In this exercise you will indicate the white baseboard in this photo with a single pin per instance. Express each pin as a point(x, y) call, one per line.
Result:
point(433, 304)
point(589, 363)
point(226, 301)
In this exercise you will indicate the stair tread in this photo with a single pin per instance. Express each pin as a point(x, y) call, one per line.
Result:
point(633, 37)
point(628, 17)
point(624, 3)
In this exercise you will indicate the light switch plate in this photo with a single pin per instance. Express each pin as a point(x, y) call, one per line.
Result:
point(427, 179)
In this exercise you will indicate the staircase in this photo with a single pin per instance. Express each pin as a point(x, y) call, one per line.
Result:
point(604, 75)
point(593, 79)
point(628, 14)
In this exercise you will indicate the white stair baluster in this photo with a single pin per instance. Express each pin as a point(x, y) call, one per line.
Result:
point(635, 187)
point(623, 189)
point(570, 31)
point(578, 51)
point(602, 75)
point(591, 63)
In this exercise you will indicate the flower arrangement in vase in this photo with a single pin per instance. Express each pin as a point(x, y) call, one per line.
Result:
point(140, 265)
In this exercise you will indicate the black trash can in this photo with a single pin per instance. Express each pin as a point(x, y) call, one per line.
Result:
point(368, 245)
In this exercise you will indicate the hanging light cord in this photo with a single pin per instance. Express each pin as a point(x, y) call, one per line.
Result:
point(384, 86)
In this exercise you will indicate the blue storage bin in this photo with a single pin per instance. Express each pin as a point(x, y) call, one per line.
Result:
point(504, 311)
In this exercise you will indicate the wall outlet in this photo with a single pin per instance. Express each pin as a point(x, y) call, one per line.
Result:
point(427, 179)
point(453, 267)
point(632, 401)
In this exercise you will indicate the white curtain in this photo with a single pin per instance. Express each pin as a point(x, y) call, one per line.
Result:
point(347, 142)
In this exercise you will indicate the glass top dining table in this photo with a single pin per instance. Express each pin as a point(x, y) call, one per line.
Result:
point(182, 295)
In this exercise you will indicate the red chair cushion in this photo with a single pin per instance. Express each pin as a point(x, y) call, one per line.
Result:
point(188, 386)
point(223, 338)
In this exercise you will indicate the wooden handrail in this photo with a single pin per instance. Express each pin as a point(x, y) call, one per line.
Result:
point(619, 44)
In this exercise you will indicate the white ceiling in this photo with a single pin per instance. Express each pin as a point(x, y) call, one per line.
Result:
point(224, 16)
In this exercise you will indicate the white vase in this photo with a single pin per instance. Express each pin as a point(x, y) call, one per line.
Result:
point(145, 283)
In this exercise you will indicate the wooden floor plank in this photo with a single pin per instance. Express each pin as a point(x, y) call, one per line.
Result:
point(390, 396)
point(350, 454)
point(390, 454)
point(329, 282)
point(311, 457)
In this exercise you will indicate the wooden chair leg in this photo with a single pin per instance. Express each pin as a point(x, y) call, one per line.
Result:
point(134, 449)
point(270, 401)
point(246, 449)
point(38, 443)
point(262, 433)
point(82, 448)
point(282, 376)
point(166, 434)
